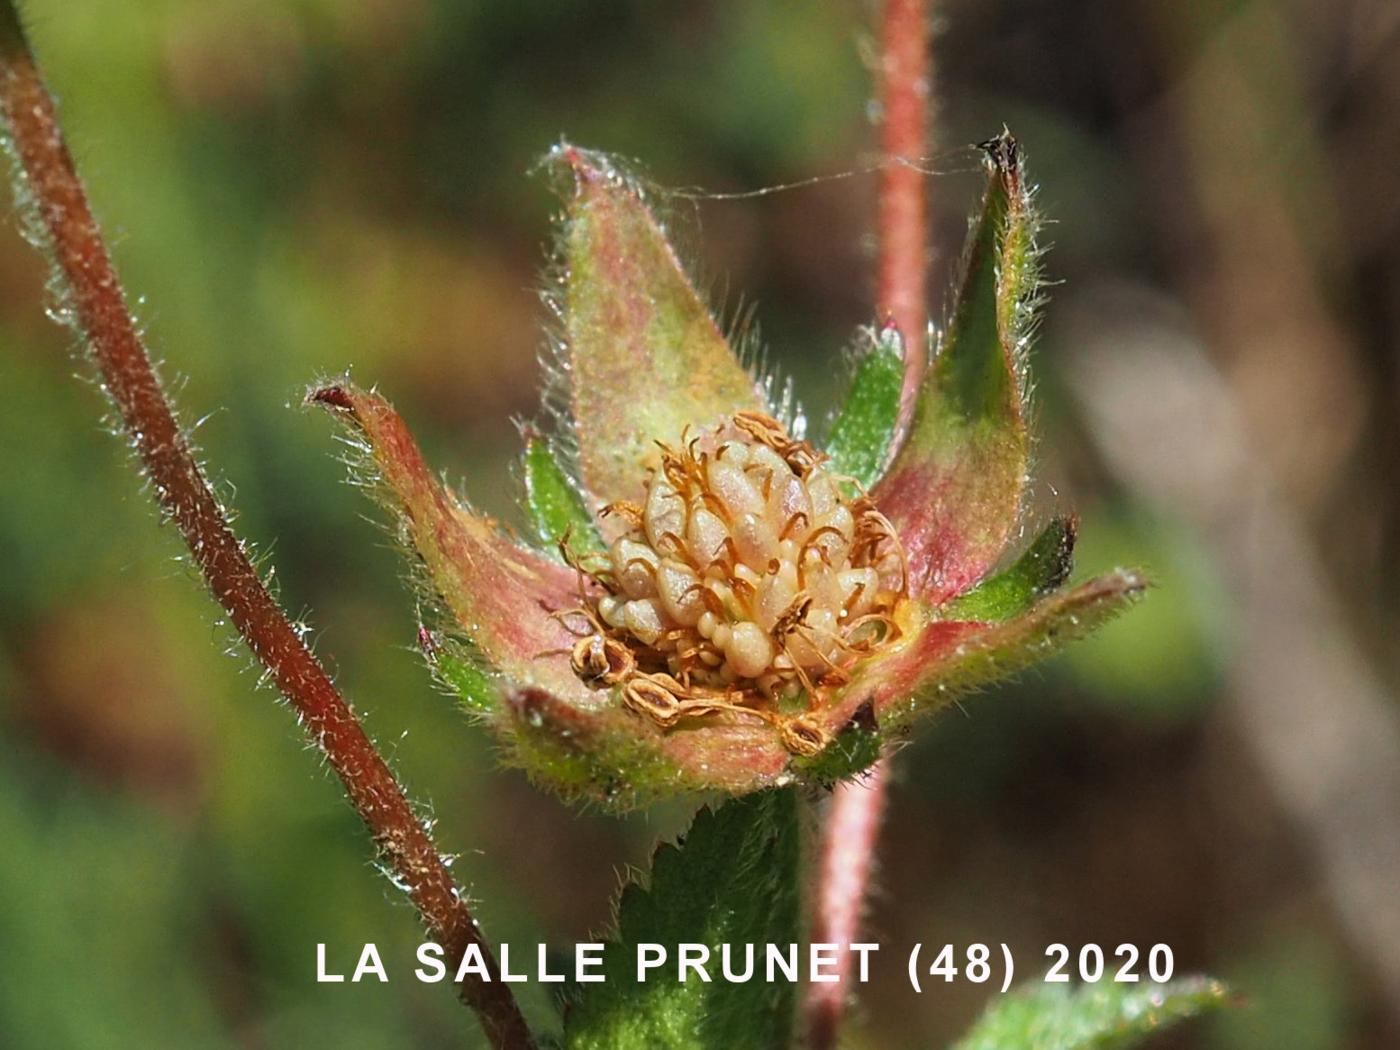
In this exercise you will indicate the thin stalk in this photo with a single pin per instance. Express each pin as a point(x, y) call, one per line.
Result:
point(849, 836)
point(852, 826)
point(61, 216)
point(902, 217)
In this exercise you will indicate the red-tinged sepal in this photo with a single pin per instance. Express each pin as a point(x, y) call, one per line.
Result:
point(506, 654)
point(642, 356)
point(610, 755)
point(501, 595)
point(945, 659)
point(953, 491)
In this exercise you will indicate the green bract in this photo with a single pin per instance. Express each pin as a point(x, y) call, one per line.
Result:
point(643, 362)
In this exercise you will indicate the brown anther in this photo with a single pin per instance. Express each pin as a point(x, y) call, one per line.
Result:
point(675, 547)
point(791, 617)
point(600, 660)
point(713, 602)
point(800, 457)
point(763, 428)
point(803, 736)
point(694, 588)
point(633, 514)
point(668, 640)
point(654, 698)
point(727, 553)
point(585, 614)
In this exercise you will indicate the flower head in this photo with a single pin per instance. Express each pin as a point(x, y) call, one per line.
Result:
point(746, 579)
point(711, 601)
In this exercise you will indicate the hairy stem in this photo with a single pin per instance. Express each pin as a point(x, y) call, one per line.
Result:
point(61, 216)
point(847, 855)
point(853, 820)
point(902, 221)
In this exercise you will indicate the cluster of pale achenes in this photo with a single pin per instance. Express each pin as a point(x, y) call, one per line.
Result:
point(709, 601)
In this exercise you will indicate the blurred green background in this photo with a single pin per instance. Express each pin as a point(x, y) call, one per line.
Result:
point(300, 187)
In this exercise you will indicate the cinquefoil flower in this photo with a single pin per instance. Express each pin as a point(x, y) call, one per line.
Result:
point(708, 601)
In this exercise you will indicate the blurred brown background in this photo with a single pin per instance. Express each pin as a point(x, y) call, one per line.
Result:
point(303, 186)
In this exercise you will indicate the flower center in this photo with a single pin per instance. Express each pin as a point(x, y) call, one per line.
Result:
point(750, 575)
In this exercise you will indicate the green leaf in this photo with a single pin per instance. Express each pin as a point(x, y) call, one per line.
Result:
point(954, 489)
point(644, 358)
point(859, 442)
point(552, 501)
point(1044, 565)
point(733, 880)
point(1091, 1017)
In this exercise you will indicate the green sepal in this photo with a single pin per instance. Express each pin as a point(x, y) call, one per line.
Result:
point(861, 435)
point(1107, 1016)
point(854, 750)
point(953, 491)
point(643, 356)
point(553, 503)
point(950, 658)
point(461, 672)
point(732, 880)
point(1040, 569)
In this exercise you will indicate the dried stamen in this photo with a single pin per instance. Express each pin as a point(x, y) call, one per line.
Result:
point(746, 577)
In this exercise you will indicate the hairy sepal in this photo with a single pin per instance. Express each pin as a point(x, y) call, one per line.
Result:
point(863, 428)
point(946, 659)
point(506, 654)
point(1041, 568)
point(499, 593)
point(643, 356)
point(556, 510)
point(954, 488)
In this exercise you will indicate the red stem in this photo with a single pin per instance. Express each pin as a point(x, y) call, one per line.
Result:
point(847, 856)
point(99, 306)
point(853, 820)
point(902, 220)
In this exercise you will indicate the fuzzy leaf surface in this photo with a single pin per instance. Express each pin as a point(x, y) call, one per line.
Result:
point(859, 442)
point(732, 880)
point(1104, 1016)
point(552, 502)
point(645, 358)
point(953, 491)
